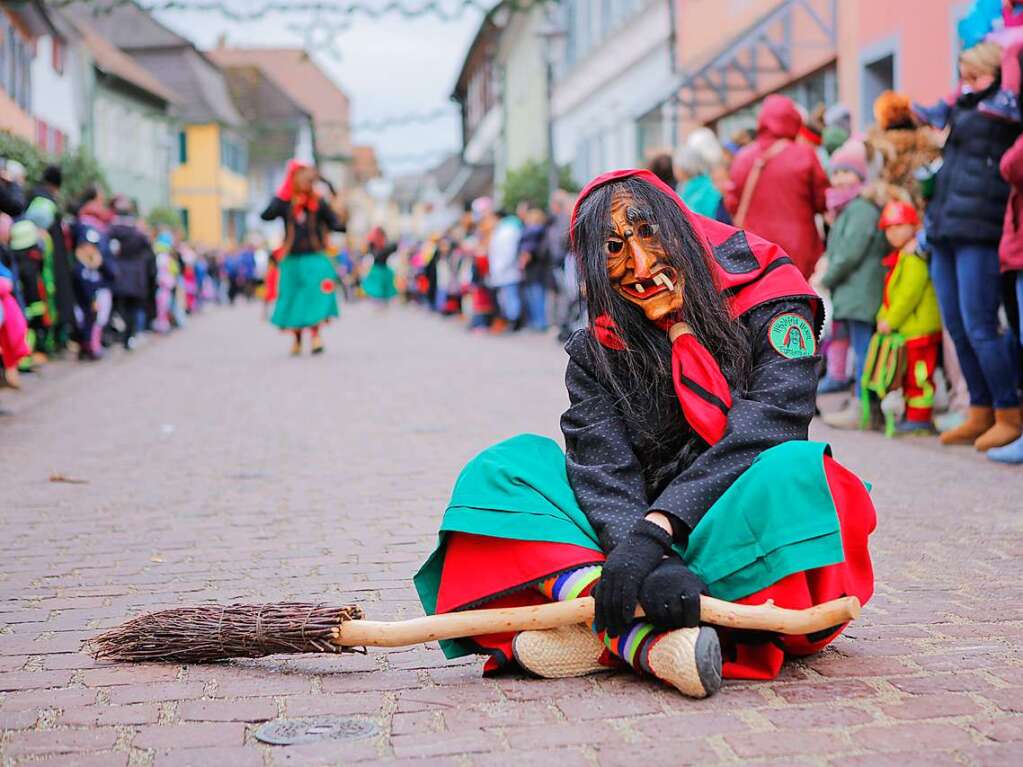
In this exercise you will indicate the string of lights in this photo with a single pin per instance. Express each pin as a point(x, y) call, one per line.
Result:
point(397, 121)
point(444, 10)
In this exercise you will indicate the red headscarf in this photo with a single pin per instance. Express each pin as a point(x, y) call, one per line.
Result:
point(309, 202)
point(700, 386)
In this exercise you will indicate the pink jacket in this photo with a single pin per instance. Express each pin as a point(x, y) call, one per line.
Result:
point(791, 186)
point(14, 328)
point(1010, 247)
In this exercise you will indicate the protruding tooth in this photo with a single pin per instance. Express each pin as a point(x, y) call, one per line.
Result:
point(665, 280)
point(640, 288)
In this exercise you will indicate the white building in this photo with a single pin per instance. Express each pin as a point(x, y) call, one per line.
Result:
point(59, 76)
point(614, 62)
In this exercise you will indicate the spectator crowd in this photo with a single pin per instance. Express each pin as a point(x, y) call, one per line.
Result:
point(78, 276)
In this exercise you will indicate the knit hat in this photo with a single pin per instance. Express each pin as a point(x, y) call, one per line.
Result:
point(851, 156)
point(838, 116)
point(24, 235)
point(898, 212)
point(892, 110)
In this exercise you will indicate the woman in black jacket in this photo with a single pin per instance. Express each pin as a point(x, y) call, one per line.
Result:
point(964, 220)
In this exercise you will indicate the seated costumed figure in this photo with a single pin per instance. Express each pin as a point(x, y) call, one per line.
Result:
point(687, 468)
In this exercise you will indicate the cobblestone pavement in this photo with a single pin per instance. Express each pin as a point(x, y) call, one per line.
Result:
point(218, 468)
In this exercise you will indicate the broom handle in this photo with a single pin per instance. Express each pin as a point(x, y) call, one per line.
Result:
point(764, 617)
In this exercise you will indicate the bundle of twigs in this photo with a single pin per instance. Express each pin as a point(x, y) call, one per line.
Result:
point(211, 632)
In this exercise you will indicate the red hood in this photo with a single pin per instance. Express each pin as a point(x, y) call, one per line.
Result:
point(744, 288)
point(779, 118)
point(620, 175)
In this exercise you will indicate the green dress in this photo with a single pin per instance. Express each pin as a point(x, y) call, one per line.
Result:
point(305, 292)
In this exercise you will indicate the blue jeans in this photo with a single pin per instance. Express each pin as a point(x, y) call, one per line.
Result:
point(536, 304)
point(860, 333)
point(967, 281)
point(1019, 303)
point(510, 302)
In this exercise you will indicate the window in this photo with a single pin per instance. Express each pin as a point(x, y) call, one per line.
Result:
point(878, 75)
point(16, 55)
point(182, 148)
point(183, 212)
point(233, 155)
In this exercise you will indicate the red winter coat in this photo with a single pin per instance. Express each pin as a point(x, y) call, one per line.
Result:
point(1010, 248)
point(790, 190)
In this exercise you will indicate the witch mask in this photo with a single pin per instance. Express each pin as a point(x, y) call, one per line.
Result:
point(637, 264)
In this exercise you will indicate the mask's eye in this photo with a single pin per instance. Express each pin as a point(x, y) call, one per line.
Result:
point(615, 247)
point(647, 231)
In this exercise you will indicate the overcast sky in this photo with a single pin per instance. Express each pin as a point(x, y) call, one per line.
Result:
point(391, 66)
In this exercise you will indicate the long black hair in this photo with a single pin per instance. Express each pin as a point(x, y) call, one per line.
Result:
point(640, 376)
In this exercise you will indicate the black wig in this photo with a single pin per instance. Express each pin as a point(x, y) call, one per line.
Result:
point(640, 376)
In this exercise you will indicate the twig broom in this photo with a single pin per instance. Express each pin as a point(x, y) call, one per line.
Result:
point(212, 632)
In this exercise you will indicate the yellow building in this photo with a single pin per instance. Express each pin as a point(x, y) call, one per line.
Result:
point(209, 185)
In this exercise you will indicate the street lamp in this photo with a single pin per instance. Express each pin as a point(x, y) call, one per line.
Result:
point(552, 34)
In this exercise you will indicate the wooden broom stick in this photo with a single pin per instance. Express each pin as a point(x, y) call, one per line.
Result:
point(764, 617)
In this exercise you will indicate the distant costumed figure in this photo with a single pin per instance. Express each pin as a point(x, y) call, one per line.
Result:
point(306, 284)
point(379, 281)
point(687, 468)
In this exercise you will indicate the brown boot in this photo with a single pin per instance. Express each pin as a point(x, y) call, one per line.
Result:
point(1008, 428)
point(978, 421)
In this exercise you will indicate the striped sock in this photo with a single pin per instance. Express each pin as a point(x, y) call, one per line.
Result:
point(632, 646)
point(572, 584)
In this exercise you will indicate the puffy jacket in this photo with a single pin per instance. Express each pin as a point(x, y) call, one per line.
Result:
point(910, 303)
point(791, 186)
point(970, 193)
point(133, 259)
point(1010, 249)
point(855, 274)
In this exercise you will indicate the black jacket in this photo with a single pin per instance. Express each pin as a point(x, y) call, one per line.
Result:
point(970, 194)
point(619, 475)
point(133, 259)
point(12, 198)
point(309, 234)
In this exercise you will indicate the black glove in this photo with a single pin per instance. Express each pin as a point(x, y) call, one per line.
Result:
point(628, 564)
point(670, 595)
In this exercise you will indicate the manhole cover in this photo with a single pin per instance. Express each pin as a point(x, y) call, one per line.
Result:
point(289, 732)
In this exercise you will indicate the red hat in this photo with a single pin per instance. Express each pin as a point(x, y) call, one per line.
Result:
point(898, 212)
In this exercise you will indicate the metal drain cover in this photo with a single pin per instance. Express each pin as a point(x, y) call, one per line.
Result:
point(290, 732)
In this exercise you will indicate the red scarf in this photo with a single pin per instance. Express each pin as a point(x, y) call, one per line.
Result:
point(301, 204)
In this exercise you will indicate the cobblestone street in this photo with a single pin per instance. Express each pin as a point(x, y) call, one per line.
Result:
point(214, 467)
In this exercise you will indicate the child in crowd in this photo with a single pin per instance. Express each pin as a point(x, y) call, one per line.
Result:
point(855, 273)
point(27, 251)
point(910, 309)
point(13, 330)
point(91, 274)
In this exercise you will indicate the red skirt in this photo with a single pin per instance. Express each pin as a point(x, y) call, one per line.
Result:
point(500, 572)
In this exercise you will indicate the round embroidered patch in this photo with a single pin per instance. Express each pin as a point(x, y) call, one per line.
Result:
point(792, 337)
point(327, 286)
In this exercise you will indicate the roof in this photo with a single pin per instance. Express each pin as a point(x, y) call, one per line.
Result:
point(258, 98)
point(294, 71)
point(128, 27)
point(111, 61)
point(170, 58)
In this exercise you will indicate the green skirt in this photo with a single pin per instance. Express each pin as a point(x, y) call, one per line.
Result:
point(777, 518)
point(306, 291)
point(379, 282)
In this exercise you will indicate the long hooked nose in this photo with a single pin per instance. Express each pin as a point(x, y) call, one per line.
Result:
point(641, 260)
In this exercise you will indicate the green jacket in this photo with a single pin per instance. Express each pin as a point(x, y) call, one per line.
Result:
point(910, 303)
point(701, 196)
point(855, 274)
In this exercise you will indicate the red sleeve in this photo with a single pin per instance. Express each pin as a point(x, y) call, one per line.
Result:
point(819, 184)
point(740, 171)
point(1012, 164)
